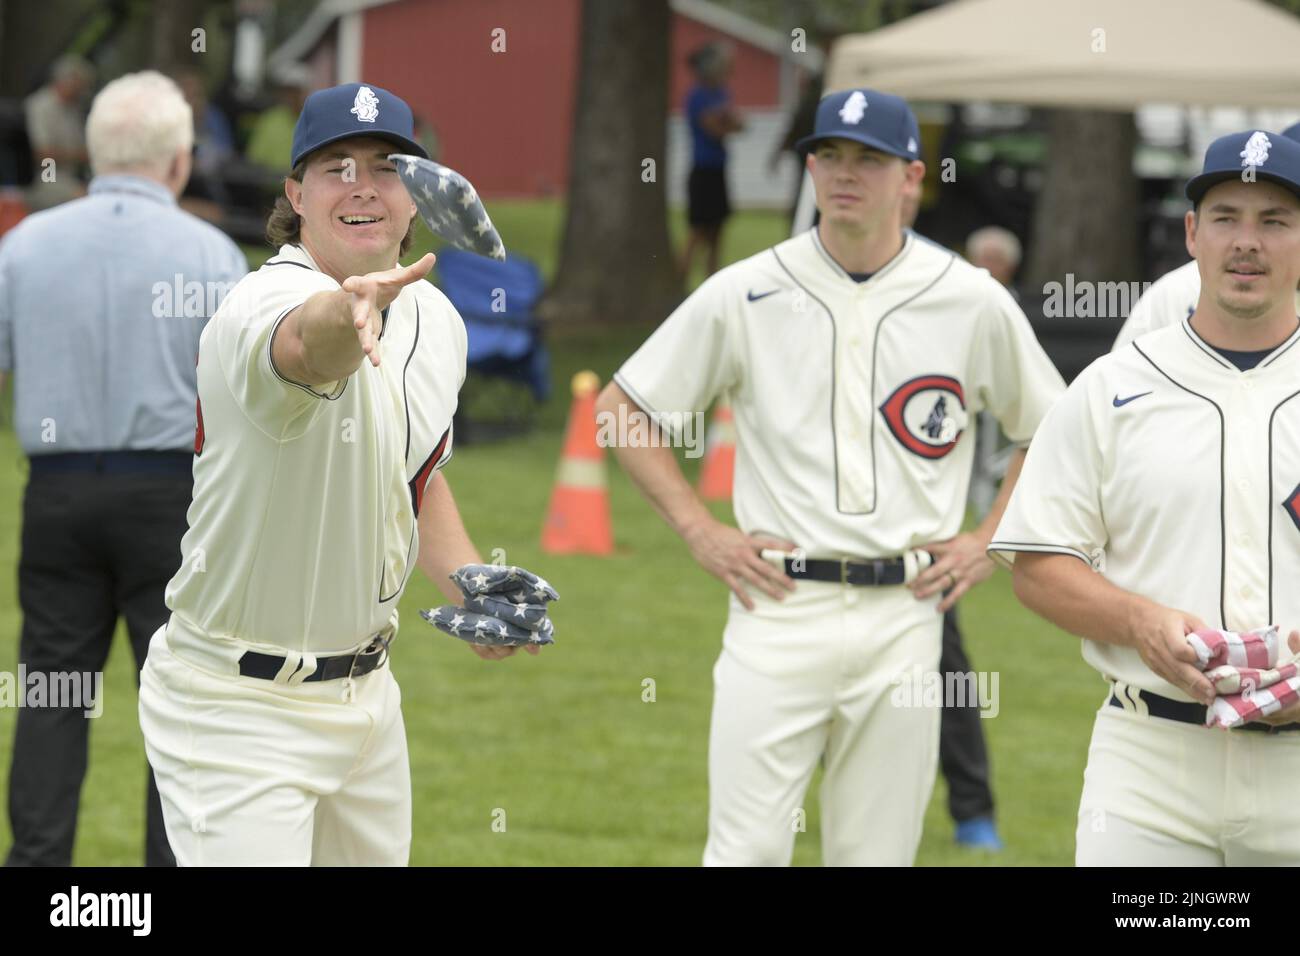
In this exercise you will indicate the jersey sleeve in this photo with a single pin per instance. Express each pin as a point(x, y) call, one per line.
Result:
point(1138, 321)
point(6, 315)
point(242, 329)
point(1056, 504)
point(1167, 301)
point(1014, 378)
point(457, 357)
point(688, 361)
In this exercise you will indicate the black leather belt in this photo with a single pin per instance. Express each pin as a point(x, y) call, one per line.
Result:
point(113, 463)
point(373, 655)
point(846, 571)
point(1186, 712)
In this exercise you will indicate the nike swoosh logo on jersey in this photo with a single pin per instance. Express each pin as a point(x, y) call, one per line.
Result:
point(1121, 402)
point(754, 298)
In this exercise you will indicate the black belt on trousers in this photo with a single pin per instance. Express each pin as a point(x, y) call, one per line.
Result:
point(113, 462)
point(847, 571)
point(1186, 712)
point(267, 666)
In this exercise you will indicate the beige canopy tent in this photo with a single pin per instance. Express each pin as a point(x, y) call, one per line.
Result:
point(1104, 54)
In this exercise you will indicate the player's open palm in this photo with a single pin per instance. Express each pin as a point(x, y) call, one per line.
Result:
point(373, 292)
point(1160, 636)
point(733, 557)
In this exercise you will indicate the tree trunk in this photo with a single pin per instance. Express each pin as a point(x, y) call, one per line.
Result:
point(616, 260)
point(1086, 221)
point(172, 41)
point(31, 36)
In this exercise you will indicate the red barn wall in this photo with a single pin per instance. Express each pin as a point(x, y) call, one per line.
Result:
point(504, 119)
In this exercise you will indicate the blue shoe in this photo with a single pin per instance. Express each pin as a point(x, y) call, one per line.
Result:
point(980, 833)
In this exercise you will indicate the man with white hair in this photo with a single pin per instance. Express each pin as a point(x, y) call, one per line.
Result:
point(997, 250)
point(102, 301)
point(56, 131)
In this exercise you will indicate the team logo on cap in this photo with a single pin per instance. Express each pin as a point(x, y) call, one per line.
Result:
point(1256, 151)
point(927, 414)
point(854, 108)
point(366, 105)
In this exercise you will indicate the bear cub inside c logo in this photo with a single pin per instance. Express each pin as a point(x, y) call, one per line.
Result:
point(927, 414)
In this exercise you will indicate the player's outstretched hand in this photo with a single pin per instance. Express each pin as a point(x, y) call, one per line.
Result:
point(373, 292)
point(1291, 714)
point(960, 563)
point(1159, 634)
point(733, 557)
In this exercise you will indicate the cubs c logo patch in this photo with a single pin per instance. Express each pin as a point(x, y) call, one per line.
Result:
point(1292, 506)
point(927, 414)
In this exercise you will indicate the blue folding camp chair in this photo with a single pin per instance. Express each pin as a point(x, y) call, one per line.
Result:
point(496, 301)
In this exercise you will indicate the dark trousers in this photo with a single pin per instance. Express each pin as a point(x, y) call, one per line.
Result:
point(94, 547)
point(962, 755)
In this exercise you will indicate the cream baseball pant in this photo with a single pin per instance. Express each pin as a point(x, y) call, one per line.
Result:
point(264, 773)
point(1157, 792)
point(821, 676)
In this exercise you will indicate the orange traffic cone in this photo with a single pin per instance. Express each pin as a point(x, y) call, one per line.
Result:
point(577, 521)
point(719, 466)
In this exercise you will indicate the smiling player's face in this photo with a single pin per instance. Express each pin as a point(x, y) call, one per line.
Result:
point(355, 210)
point(1246, 241)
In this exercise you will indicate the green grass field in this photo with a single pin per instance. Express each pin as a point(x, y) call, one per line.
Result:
point(586, 772)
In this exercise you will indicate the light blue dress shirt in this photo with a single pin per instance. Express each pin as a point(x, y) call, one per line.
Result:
point(102, 302)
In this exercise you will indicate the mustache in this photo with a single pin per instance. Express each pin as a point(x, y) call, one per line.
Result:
point(1238, 264)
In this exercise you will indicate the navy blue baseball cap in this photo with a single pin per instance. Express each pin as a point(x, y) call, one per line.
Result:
point(1271, 156)
point(354, 109)
point(1292, 132)
point(879, 120)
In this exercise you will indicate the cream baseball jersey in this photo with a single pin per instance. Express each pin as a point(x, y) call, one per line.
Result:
point(1169, 300)
point(1178, 477)
point(854, 402)
point(303, 525)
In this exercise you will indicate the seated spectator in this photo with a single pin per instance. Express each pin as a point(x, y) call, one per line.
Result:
point(56, 130)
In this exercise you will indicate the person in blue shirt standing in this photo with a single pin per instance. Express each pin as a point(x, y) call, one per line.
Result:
point(102, 303)
point(711, 117)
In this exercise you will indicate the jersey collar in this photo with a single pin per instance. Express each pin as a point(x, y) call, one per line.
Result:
point(1206, 349)
point(835, 267)
point(292, 252)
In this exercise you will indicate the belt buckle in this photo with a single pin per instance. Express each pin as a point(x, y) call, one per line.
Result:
point(383, 643)
point(844, 571)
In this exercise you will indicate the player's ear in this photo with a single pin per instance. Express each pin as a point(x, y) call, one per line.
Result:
point(293, 192)
point(914, 172)
point(1189, 229)
point(809, 160)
